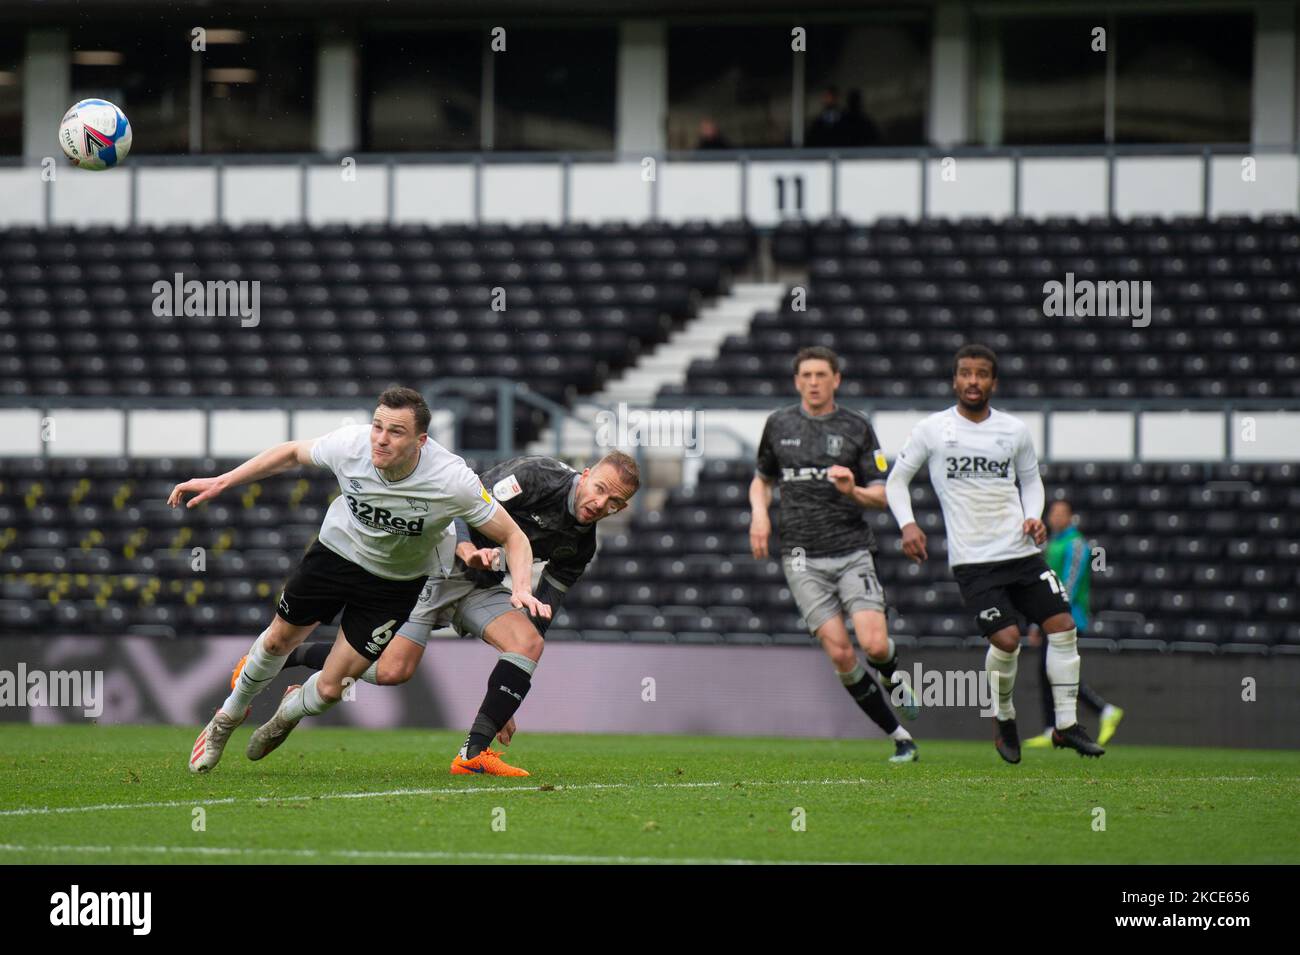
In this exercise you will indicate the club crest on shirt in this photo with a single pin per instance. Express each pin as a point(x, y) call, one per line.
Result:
point(834, 444)
point(421, 507)
point(949, 433)
point(881, 464)
point(1004, 444)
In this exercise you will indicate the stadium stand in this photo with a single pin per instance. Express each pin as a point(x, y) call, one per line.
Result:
point(897, 298)
point(346, 311)
point(1199, 557)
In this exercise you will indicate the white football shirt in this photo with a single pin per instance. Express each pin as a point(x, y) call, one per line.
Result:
point(974, 467)
point(396, 529)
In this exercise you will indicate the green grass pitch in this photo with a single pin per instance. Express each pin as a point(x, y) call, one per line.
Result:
point(90, 794)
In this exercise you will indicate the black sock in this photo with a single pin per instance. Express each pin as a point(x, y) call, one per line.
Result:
point(1045, 690)
point(507, 687)
point(887, 667)
point(868, 695)
point(1093, 699)
point(309, 655)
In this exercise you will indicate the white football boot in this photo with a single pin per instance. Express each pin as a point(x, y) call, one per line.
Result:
point(212, 741)
point(274, 731)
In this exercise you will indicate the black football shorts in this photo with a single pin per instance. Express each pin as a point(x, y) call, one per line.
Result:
point(373, 608)
point(999, 593)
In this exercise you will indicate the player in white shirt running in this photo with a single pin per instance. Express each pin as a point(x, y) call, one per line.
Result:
point(976, 456)
point(382, 537)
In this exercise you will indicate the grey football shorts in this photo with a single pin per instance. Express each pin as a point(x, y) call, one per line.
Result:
point(825, 587)
point(454, 601)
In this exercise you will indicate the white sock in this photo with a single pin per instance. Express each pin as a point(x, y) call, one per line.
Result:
point(308, 702)
point(372, 673)
point(1001, 668)
point(262, 667)
point(1063, 674)
point(900, 734)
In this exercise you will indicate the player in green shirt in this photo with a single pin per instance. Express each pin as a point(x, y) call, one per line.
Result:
point(1068, 555)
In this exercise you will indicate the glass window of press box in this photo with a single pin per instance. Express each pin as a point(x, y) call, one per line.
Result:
point(422, 89)
point(555, 89)
point(145, 71)
point(729, 86)
point(866, 84)
point(1184, 78)
point(1037, 80)
point(258, 87)
point(11, 94)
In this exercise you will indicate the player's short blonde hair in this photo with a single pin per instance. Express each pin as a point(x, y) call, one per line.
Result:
point(625, 467)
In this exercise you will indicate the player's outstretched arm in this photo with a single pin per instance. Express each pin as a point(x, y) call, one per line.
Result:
point(274, 460)
point(501, 527)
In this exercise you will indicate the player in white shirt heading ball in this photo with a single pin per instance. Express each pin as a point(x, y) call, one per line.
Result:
point(985, 473)
point(382, 537)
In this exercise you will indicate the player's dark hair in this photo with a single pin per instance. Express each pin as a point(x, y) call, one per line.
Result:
point(819, 352)
point(975, 351)
point(399, 397)
point(625, 466)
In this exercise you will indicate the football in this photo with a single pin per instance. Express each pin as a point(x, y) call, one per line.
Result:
point(95, 134)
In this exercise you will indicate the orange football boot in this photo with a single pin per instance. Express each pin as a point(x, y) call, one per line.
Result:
point(239, 668)
point(486, 763)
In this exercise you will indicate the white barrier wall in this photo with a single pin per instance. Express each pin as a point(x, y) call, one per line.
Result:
point(673, 433)
point(22, 200)
point(166, 434)
point(715, 432)
point(176, 433)
point(175, 196)
point(767, 191)
point(1272, 189)
point(433, 194)
point(345, 194)
point(89, 198)
point(524, 193)
point(1063, 187)
point(265, 194)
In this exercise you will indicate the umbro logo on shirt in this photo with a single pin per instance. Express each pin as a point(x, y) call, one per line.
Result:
point(354, 484)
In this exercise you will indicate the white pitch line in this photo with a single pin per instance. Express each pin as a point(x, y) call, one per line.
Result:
point(430, 856)
point(447, 791)
point(578, 787)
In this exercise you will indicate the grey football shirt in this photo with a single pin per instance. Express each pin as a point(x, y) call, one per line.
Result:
point(796, 451)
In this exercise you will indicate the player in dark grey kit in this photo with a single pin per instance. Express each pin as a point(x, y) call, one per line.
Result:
point(830, 466)
point(557, 508)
